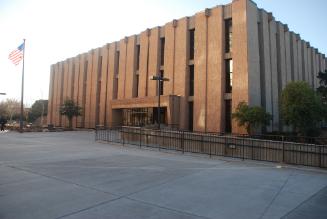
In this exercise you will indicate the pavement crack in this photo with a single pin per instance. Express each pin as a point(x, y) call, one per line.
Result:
point(299, 205)
point(88, 208)
point(62, 180)
point(276, 195)
point(166, 208)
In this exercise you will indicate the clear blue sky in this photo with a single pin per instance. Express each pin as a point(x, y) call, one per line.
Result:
point(59, 29)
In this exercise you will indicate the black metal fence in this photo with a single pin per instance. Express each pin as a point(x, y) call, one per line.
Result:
point(300, 151)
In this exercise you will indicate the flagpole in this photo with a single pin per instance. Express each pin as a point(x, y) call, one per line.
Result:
point(22, 97)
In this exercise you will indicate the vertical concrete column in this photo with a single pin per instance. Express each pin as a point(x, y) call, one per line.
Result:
point(154, 61)
point(104, 85)
point(76, 90)
point(122, 68)
point(309, 65)
point(144, 63)
point(314, 63)
point(281, 56)
point(58, 93)
point(274, 75)
point(94, 88)
point(316, 83)
point(314, 67)
point(215, 71)
point(58, 77)
point(305, 61)
point(319, 57)
point(82, 89)
point(322, 65)
point(51, 95)
point(180, 80)
point(65, 63)
point(294, 59)
point(246, 61)
point(112, 66)
point(70, 78)
point(299, 58)
point(169, 65)
point(130, 78)
point(281, 64)
point(288, 55)
point(55, 94)
point(87, 106)
point(61, 91)
point(200, 72)
point(266, 89)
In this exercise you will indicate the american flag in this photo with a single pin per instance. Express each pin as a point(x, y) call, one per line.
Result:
point(17, 55)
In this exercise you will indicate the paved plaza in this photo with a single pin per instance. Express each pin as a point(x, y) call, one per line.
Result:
point(68, 175)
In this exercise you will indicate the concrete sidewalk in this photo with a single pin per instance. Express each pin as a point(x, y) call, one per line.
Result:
point(68, 175)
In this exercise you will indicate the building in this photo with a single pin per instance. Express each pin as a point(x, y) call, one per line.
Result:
point(214, 59)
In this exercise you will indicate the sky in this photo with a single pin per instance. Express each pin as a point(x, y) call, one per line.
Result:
point(59, 29)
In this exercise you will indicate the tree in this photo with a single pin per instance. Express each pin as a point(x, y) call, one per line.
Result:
point(301, 107)
point(4, 110)
point(251, 117)
point(39, 108)
point(10, 109)
point(70, 109)
point(322, 89)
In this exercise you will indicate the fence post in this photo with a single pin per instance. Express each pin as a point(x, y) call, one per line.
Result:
point(140, 137)
point(319, 155)
point(210, 146)
point(283, 142)
point(243, 149)
point(96, 134)
point(182, 141)
point(202, 143)
point(123, 135)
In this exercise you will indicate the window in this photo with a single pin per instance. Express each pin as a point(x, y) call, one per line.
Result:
point(117, 62)
point(138, 52)
point(161, 83)
point(229, 34)
point(137, 86)
point(191, 85)
point(162, 51)
point(191, 32)
point(115, 88)
point(229, 75)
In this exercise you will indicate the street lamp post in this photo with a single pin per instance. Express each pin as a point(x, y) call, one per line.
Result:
point(159, 79)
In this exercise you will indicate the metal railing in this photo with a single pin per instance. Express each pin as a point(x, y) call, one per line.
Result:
point(280, 149)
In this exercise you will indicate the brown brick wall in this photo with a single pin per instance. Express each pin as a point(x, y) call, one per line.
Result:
point(266, 56)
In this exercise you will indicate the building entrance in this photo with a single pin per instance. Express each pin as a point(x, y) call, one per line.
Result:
point(141, 117)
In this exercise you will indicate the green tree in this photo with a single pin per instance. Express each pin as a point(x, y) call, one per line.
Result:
point(322, 89)
point(38, 109)
point(251, 117)
point(301, 108)
point(70, 109)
